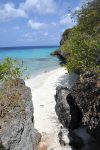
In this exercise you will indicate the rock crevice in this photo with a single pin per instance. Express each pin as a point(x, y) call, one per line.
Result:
point(78, 109)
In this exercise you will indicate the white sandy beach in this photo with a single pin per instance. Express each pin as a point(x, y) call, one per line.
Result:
point(43, 90)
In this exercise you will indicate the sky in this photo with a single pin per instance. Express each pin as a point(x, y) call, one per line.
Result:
point(35, 22)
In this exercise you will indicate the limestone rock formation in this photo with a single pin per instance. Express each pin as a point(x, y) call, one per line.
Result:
point(87, 97)
point(66, 108)
point(17, 130)
point(78, 108)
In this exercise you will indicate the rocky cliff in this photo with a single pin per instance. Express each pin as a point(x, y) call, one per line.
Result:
point(79, 108)
point(17, 130)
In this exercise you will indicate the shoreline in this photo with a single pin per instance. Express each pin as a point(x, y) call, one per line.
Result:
point(43, 88)
point(40, 77)
point(39, 73)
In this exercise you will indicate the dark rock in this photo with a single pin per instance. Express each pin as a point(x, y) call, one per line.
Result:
point(75, 141)
point(62, 108)
point(67, 110)
point(75, 112)
point(17, 130)
point(87, 97)
point(81, 106)
point(93, 145)
point(96, 132)
point(61, 55)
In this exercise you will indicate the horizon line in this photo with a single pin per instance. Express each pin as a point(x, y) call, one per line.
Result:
point(4, 47)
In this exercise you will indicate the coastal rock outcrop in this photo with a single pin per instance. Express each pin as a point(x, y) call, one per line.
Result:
point(87, 97)
point(79, 107)
point(17, 130)
point(66, 108)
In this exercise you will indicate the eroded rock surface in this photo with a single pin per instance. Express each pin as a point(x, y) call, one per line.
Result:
point(87, 97)
point(66, 108)
point(78, 108)
point(17, 130)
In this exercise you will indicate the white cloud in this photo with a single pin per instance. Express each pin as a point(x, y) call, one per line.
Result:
point(42, 6)
point(8, 11)
point(36, 25)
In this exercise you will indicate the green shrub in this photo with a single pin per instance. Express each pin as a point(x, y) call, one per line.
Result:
point(83, 42)
point(11, 69)
point(83, 52)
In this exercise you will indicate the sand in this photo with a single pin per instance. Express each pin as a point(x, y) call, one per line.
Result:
point(43, 89)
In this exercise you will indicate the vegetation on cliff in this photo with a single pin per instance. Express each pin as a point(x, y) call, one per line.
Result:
point(10, 73)
point(83, 40)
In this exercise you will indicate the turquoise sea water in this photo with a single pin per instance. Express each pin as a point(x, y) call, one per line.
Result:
point(35, 59)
